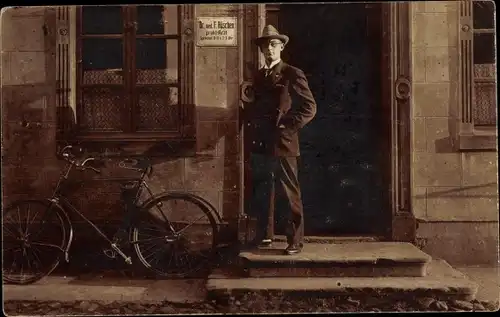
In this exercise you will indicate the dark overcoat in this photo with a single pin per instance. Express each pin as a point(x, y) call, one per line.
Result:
point(282, 98)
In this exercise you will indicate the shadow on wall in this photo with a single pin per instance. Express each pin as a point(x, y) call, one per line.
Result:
point(217, 142)
point(459, 192)
point(448, 144)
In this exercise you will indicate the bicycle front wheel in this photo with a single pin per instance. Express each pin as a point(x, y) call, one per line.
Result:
point(34, 236)
point(175, 236)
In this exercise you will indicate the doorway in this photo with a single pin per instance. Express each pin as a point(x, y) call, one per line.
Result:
point(344, 149)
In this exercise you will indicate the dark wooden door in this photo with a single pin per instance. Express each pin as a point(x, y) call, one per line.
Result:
point(341, 169)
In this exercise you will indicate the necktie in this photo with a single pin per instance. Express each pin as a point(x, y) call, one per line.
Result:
point(268, 71)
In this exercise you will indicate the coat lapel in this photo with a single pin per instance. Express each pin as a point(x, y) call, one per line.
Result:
point(276, 73)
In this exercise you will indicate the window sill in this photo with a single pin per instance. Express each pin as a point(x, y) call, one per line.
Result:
point(154, 144)
point(480, 139)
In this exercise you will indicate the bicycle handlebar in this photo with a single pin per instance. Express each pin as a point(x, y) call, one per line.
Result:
point(142, 165)
point(82, 165)
point(70, 158)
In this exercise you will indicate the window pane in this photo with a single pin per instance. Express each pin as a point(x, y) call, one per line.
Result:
point(102, 108)
point(102, 20)
point(484, 103)
point(484, 71)
point(484, 48)
point(157, 19)
point(102, 54)
point(157, 61)
point(483, 14)
point(158, 108)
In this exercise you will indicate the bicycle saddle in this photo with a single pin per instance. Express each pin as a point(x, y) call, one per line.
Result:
point(142, 164)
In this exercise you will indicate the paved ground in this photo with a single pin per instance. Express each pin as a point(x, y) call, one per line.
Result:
point(102, 288)
point(488, 279)
point(95, 294)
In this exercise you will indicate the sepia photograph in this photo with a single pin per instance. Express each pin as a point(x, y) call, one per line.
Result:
point(249, 158)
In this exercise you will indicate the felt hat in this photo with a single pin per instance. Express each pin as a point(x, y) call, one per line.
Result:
point(270, 32)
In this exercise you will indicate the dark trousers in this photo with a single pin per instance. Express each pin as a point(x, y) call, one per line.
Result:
point(269, 173)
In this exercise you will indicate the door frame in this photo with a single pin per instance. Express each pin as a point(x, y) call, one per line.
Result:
point(396, 80)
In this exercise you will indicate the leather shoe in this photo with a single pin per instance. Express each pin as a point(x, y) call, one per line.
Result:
point(261, 243)
point(294, 248)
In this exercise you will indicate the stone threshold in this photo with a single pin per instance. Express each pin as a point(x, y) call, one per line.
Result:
point(357, 259)
point(442, 282)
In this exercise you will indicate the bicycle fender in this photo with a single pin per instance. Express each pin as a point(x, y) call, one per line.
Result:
point(68, 222)
point(174, 194)
point(209, 206)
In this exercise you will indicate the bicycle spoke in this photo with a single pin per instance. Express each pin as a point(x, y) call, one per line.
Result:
point(153, 237)
point(160, 228)
point(14, 257)
point(28, 260)
point(12, 223)
point(29, 247)
point(8, 231)
point(200, 253)
point(191, 224)
point(42, 221)
point(48, 245)
point(160, 255)
point(152, 229)
point(148, 240)
point(161, 212)
point(27, 219)
point(19, 221)
point(153, 253)
point(22, 267)
point(153, 245)
point(35, 255)
point(30, 222)
point(179, 216)
point(13, 248)
point(187, 259)
point(176, 261)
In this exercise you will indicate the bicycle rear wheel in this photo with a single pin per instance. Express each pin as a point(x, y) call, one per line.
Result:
point(180, 252)
point(34, 235)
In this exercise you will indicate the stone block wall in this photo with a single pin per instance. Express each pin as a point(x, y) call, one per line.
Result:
point(217, 99)
point(28, 89)
point(29, 167)
point(455, 194)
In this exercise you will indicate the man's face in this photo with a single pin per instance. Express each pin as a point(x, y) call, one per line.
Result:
point(271, 49)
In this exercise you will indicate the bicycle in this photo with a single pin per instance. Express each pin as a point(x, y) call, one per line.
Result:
point(144, 224)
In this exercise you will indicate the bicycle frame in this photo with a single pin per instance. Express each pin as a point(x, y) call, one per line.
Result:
point(62, 202)
point(140, 210)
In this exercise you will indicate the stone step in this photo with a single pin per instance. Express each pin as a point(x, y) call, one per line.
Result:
point(442, 282)
point(332, 239)
point(356, 259)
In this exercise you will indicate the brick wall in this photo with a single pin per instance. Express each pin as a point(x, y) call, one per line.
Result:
point(455, 194)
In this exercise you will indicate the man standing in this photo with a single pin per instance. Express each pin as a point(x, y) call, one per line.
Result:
point(282, 105)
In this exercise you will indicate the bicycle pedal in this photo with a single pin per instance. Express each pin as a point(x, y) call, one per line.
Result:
point(109, 253)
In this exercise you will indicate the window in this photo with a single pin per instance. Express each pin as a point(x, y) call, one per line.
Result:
point(484, 99)
point(128, 79)
point(477, 75)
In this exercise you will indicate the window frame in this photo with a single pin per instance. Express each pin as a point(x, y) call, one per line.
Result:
point(471, 136)
point(186, 129)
